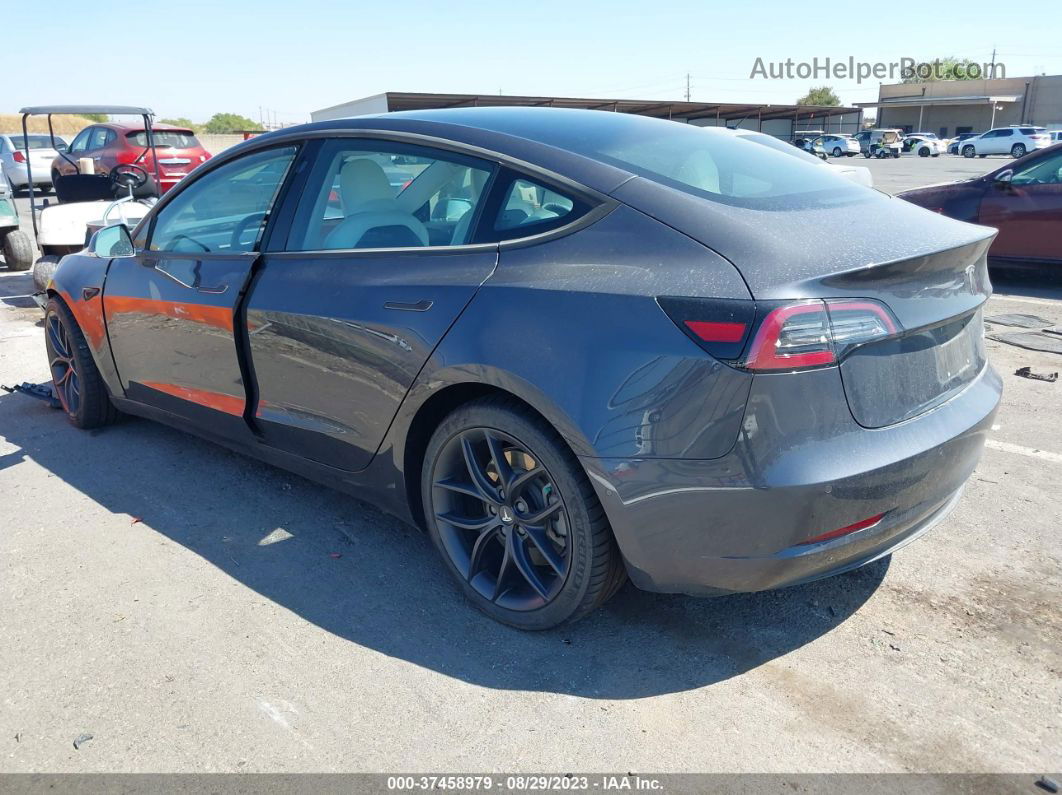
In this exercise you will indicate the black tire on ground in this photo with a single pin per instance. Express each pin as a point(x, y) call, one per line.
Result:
point(896, 154)
point(968, 151)
point(1018, 150)
point(593, 569)
point(43, 270)
point(18, 250)
point(837, 151)
point(75, 379)
point(867, 155)
point(982, 156)
point(923, 152)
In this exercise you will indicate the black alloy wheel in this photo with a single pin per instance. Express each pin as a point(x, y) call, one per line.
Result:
point(66, 383)
point(76, 382)
point(515, 518)
point(503, 522)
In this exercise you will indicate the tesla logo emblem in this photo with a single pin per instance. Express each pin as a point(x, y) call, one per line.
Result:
point(506, 514)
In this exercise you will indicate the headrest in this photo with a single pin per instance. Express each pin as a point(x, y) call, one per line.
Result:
point(362, 181)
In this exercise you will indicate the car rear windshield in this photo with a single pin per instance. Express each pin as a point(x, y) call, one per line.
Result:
point(176, 139)
point(35, 142)
point(1031, 130)
point(707, 162)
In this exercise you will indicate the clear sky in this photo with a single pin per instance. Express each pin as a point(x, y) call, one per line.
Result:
point(196, 58)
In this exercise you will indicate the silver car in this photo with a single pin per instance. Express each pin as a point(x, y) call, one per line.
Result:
point(13, 154)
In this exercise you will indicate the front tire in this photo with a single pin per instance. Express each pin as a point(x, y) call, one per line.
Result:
point(923, 152)
point(75, 380)
point(514, 517)
point(43, 270)
point(18, 250)
point(968, 151)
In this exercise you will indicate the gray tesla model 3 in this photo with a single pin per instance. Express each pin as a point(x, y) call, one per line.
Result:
point(574, 346)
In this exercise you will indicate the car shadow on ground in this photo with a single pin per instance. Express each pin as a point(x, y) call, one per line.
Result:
point(387, 590)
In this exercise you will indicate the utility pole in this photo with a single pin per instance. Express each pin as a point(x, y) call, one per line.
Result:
point(993, 69)
point(687, 86)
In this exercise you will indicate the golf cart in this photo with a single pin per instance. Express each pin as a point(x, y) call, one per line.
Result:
point(15, 244)
point(88, 201)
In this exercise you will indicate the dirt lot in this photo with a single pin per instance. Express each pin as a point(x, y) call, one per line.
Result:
point(184, 606)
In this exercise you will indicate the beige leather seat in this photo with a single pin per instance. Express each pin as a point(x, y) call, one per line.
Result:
point(373, 219)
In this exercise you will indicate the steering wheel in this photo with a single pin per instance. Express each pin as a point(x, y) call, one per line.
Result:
point(129, 176)
point(242, 227)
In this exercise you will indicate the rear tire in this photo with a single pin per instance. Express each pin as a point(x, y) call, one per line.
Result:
point(837, 151)
point(43, 270)
point(531, 575)
point(18, 250)
point(1018, 150)
point(75, 380)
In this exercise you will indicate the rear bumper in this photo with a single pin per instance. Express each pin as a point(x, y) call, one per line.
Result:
point(800, 468)
point(41, 176)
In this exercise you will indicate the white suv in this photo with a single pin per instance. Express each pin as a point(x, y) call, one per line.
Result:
point(1013, 141)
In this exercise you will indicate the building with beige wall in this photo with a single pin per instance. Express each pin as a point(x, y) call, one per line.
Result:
point(950, 107)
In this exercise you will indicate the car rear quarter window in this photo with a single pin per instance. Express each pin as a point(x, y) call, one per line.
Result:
point(528, 204)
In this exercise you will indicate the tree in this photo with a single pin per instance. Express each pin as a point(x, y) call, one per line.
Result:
point(97, 117)
point(822, 95)
point(948, 68)
point(228, 123)
point(181, 122)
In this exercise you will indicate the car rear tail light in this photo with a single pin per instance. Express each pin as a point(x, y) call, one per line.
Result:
point(793, 335)
point(19, 157)
point(870, 521)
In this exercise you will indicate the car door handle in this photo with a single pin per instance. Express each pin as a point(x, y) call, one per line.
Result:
point(420, 306)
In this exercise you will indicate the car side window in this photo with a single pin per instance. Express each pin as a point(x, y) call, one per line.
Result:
point(1004, 133)
point(98, 139)
point(226, 210)
point(529, 206)
point(372, 194)
point(80, 142)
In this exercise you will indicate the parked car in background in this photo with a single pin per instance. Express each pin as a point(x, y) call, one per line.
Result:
point(1023, 200)
point(1056, 136)
point(796, 387)
point(839, 145)
point(911, 138)
point(954, 143)
point(925, 147)
point(16, 149)
point(1014, 141)
point(883, 142)
point(858, 174)
point(110, 145)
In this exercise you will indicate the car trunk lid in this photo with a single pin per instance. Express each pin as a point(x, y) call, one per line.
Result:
point(178, 152)
point(930, 271)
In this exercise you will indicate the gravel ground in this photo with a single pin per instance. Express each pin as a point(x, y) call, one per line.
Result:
point(195, 610)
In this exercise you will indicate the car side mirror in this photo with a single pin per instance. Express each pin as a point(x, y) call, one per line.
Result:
point(1004, 177)
point(112, 241)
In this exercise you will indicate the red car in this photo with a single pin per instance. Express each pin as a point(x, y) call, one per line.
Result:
point(109, 145)
point(1022, 199)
